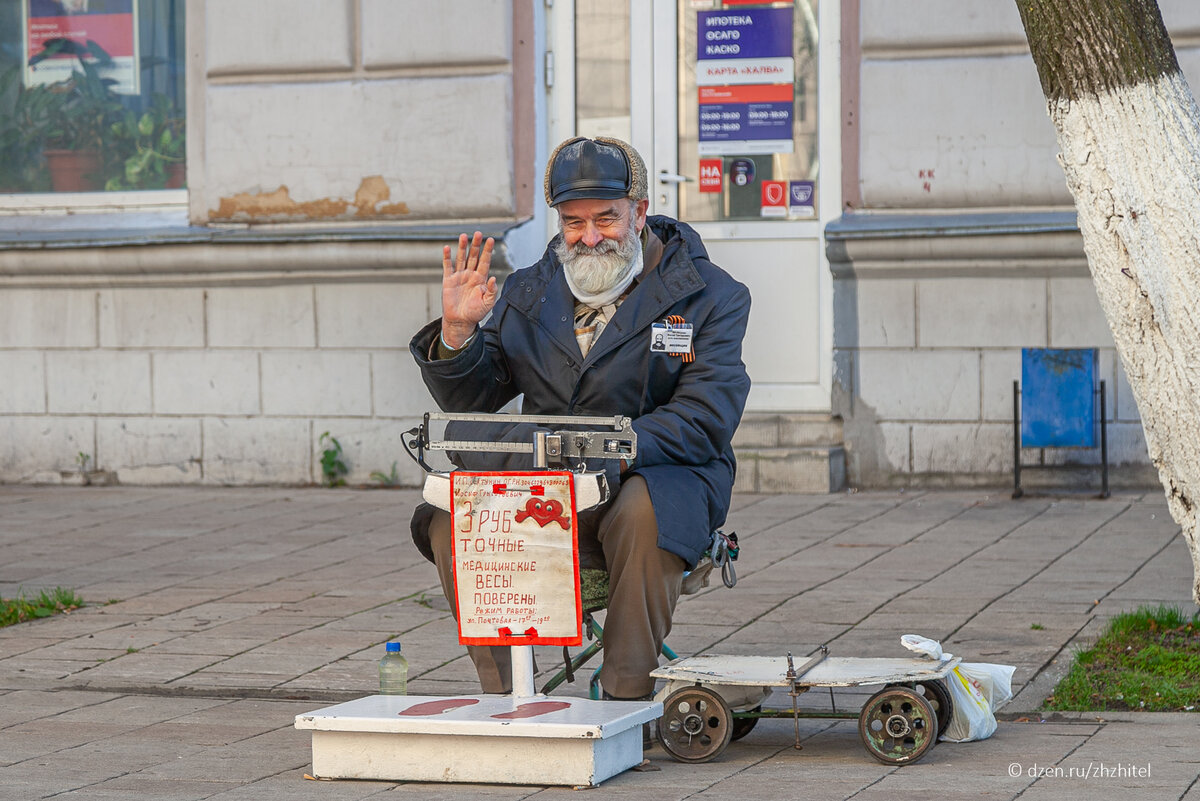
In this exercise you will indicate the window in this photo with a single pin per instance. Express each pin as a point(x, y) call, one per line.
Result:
point(747, 109)
point(602, 69)
point(91, 97)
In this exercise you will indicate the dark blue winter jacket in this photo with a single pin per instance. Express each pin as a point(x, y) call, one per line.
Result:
point(685, 413)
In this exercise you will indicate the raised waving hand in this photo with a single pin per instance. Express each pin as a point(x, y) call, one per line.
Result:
point(468, 292)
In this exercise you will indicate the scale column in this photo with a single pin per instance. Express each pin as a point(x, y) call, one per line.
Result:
point(522, 655)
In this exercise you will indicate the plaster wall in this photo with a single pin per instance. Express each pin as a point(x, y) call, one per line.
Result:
point(962, 250)
point(358, 111)
point(334, 146)
point(233, 406)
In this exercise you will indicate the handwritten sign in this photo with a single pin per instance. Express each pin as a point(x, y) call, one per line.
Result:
point(516, 558)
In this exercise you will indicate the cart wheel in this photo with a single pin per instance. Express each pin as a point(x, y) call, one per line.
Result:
point(696, 724)
point(743, 726)
point(938, 696)
point(897, 725)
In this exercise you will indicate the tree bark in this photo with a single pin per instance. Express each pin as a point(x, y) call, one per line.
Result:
point(1129, 134)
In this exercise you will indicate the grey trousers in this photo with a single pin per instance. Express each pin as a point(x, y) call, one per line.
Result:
point(643, 588)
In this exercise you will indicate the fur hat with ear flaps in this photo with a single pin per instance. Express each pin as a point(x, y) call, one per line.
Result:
point(594, 168)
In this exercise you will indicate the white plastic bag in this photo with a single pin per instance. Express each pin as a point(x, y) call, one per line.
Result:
point(924, 646)
point(972, 718)
point(978, 690)
point(994, 681)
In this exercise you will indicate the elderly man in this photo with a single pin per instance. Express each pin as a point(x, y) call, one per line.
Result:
point(581, 333)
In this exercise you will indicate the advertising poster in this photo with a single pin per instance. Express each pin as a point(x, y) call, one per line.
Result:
point(111, 24)
point(516, 561)
point(745, 74)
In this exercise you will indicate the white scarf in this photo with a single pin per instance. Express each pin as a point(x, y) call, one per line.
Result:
point(605, 297)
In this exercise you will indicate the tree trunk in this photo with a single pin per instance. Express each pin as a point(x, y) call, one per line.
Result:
point(1129, 133)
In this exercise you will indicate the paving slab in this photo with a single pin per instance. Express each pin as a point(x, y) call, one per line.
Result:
point(215, 615)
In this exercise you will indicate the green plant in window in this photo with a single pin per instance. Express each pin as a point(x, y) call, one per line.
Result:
point(75, 114)
point(63, 128)
point(24, 115)
point(150, 149)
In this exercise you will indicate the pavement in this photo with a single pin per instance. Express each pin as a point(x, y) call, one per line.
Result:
point(215, 616)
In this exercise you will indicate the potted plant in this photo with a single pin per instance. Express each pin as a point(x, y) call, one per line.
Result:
point(73, 118)
point(150, 149)
point(21, 168)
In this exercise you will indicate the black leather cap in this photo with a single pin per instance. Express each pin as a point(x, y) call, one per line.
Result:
point(584, 168)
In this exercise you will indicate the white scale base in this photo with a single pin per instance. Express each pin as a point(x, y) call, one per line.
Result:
point(496, 739)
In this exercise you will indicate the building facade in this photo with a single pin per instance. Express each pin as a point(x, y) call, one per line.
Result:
point(881, 175)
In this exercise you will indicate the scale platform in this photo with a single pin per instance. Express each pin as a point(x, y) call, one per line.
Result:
point(478, 738)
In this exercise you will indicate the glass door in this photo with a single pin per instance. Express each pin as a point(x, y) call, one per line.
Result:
point(745, 139)
point(747, 78)
point(734, 107)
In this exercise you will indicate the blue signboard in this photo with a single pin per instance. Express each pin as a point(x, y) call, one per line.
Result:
point(745, 112)
point(745, 74)
point(749, 33)
point(1058, 398)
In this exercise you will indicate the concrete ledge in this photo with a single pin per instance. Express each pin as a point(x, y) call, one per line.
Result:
point(1033, 244)
point(788, 430)
point(814, 470)
point(1073, 481)
point(115, 250)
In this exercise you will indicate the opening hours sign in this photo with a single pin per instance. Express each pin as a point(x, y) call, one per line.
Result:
point(516, 558)
point(745, 74)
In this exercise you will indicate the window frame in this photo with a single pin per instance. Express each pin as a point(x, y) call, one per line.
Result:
point(35, 205)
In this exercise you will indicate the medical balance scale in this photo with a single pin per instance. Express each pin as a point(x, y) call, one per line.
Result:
point(517, 584)
point(517, 579)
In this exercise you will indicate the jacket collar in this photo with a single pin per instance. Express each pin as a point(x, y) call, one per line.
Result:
point(674, 279)
point(545, 297)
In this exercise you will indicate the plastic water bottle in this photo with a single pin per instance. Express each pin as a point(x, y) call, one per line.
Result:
point(393, 671)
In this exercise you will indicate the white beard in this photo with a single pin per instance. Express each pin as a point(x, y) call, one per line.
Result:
point(597, 276)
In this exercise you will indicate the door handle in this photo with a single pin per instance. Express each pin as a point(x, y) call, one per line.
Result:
point(665, 177)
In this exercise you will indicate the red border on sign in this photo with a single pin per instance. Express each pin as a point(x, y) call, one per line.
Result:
point(747, 93)
point(500, 639)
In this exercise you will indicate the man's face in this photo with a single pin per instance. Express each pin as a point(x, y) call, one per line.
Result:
point(590, 221)
point(599, 241)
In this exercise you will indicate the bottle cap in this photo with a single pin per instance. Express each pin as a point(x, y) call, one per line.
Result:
point(393, 647)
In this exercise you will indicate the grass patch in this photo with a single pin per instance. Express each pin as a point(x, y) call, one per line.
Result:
point(44, 604)
point(1147, 660)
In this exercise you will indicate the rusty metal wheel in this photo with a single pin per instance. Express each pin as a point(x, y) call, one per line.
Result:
point(898, 725)
point(696, 724)
point(938, 695)
point(743, 726)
